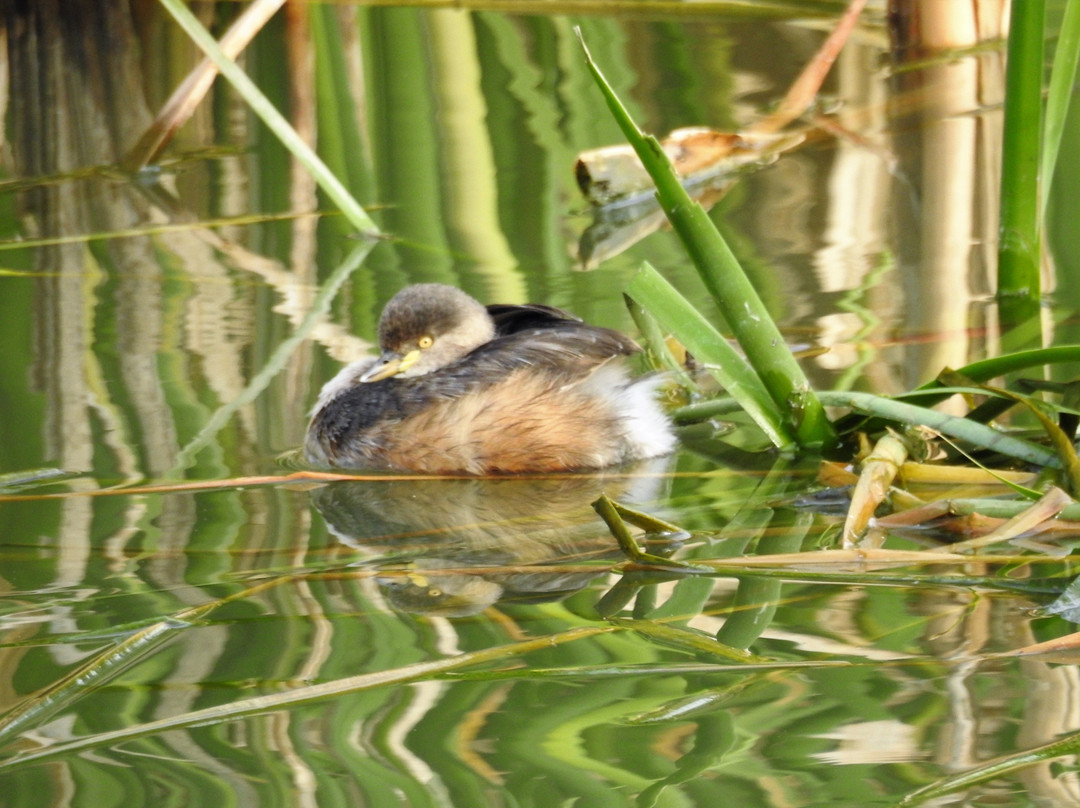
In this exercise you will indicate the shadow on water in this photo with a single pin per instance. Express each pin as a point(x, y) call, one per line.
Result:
point(485, 642)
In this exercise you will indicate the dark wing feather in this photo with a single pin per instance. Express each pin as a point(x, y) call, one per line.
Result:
point(564, 348)
point(510, 319)
point(546, 336)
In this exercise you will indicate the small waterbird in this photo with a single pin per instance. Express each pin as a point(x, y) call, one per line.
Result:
point(464, 388)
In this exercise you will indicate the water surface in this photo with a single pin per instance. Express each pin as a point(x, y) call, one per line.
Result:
point(147, 322)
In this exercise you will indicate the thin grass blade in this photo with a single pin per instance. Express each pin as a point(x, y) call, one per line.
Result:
point(1062, 86)
point(306, 694)
point(274, 120)
point(1040, 755)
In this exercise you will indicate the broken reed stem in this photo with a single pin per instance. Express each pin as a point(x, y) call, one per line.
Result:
point(185, 98)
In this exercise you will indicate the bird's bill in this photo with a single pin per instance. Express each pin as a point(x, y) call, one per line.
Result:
point(390, 364)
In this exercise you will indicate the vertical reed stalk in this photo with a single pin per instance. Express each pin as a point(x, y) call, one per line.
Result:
point(1020, 244)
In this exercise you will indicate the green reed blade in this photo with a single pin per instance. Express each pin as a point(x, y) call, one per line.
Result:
point(971, 431)
point(654, 340)
point(984, 370)
point(725, 279)
point(651, 291)
point(687, 639)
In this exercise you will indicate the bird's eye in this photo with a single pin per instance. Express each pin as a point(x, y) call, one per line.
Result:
point(425, 341)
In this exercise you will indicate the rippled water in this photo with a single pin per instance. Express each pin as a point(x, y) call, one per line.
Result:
point(483, 647)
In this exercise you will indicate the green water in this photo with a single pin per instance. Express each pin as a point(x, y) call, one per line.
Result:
point(146, 331)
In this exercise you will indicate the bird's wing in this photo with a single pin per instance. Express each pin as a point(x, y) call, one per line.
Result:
point(510, 319)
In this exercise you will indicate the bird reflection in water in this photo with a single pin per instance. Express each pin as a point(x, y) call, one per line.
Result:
point(455, 547)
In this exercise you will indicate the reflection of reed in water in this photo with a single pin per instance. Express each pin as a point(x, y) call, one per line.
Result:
point(428, 535)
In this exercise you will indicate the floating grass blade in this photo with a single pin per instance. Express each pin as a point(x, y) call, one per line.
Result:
point(648, 522)
point(739, 302)
point(276, 122)
point(607, 510)
point(1049, 507)
point(1020, 245)
point(1038, 756)
point(686, 639)
point(1002, 508)
point(99, 669)
point(306, 694)
point(37, 709)
point(30, 478)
